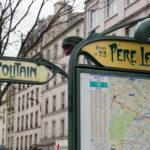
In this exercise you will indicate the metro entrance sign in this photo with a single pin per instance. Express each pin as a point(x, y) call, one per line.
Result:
point(23, 70)
point(120, 54)
point(108, 97)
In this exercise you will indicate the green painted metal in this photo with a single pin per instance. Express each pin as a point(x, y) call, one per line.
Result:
point(73, 80)
point(123, 25)
point(39, 61)
point(70, 41)
point(144, 30)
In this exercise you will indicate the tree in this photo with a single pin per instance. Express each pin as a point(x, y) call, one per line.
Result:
point(11, 21)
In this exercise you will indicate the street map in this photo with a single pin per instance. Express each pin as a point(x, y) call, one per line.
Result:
point(119, 110)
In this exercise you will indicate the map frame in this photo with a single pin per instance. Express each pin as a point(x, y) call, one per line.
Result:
point(99, 71)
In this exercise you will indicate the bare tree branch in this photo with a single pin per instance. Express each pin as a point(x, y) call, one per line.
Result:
point(15, 26)
point(8, 28)
point(33, 27)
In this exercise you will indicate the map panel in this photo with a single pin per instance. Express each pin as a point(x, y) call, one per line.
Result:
point(119, 113)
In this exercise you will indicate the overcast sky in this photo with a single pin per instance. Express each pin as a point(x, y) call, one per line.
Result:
point(47, 10)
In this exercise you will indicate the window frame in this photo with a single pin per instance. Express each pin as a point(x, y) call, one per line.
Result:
point(111, 8)
point(94, 18)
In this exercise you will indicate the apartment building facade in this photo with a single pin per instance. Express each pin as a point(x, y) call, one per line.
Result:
point(10, 116)
point(41, 110)
point(54, 127)
point(3, 110)
point(105, 14)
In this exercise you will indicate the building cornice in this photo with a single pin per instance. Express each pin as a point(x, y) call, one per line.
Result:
point(25, 130)
point(55, 112)
point(55, 138)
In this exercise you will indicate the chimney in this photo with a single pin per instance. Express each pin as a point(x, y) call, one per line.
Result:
point(59, 4)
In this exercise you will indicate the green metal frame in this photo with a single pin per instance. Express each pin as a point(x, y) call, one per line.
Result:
point(73, 89)
point(39, 61)
point(100, 71)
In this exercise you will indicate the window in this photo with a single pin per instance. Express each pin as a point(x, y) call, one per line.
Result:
point(32, 93)
point(130, 30)
point(17, 143)
point(94, 18)
point(12, 125)
point(54, 103)
point(130, 2)
point(36, 118)
point(46, 106)
point(19, 104)
point(53, 128)
point(22, 123)
point(4, 116)
point(35, 139)
point(37, 95)
point(55, 51)
point(23, 97)
point(62, 100)
point(11, 142)
point(8, 142)
point(26, 142)
point(27, 101)
point(26, 121)
point(18, 122)
point(77, 32)
point(30, 141)
point(8, 125)
point(112, 8)
point(21, 143)
point(19, 88)
point(46, 130)
point(62, 127)
point(31, 120)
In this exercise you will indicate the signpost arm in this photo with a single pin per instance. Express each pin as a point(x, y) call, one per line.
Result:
point(55, 69)
point(123, 25)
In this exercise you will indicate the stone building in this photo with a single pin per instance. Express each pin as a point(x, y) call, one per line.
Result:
point(28, 111)
point(105, 14)
point(41, 119)
point(10, 117)
point(3, 114)
point(54, 117)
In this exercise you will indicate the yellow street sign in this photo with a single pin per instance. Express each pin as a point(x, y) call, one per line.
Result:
point(120, 54)
point(22, 71)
